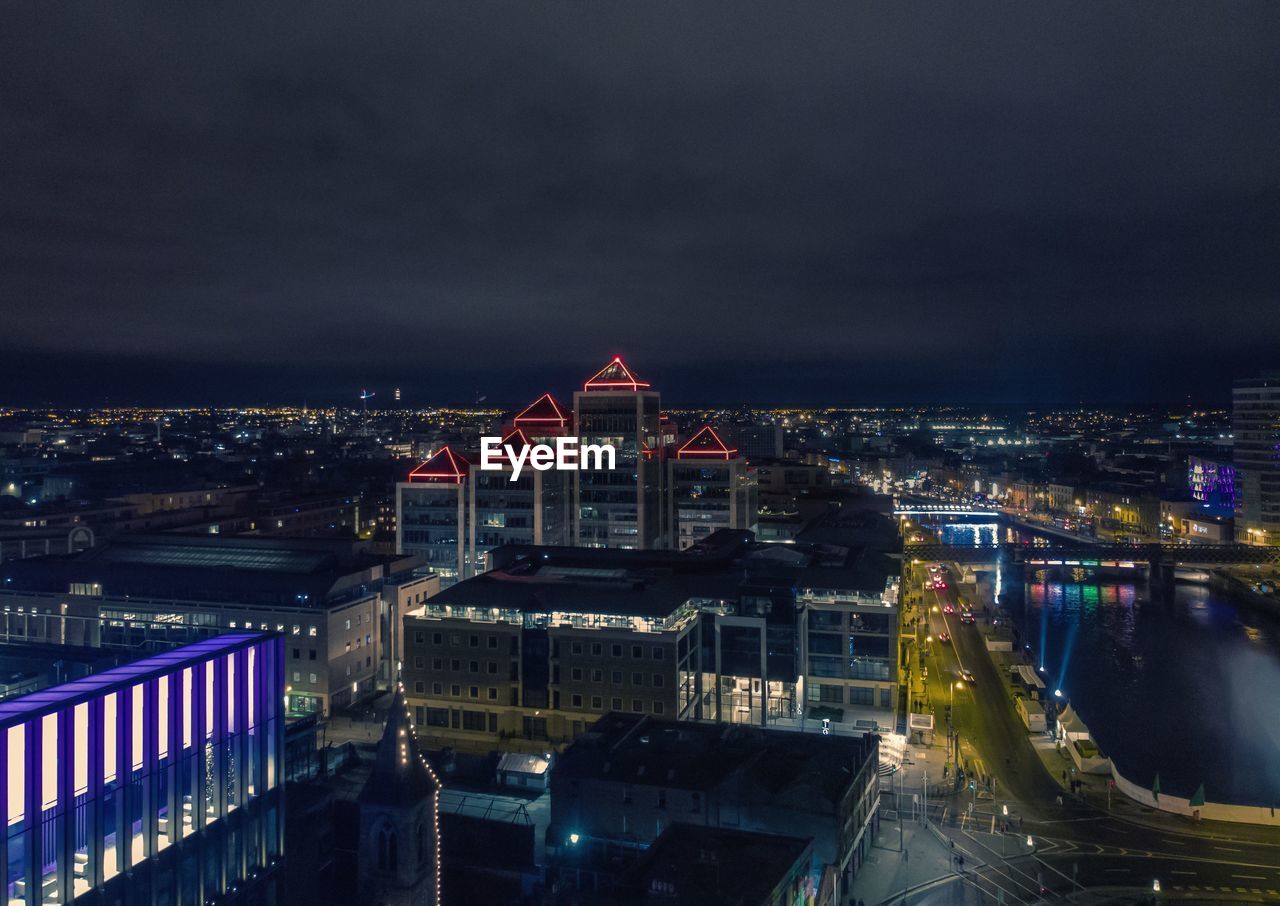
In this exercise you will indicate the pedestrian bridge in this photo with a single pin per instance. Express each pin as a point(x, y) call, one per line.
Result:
point(943, 509)
point(1099, 554)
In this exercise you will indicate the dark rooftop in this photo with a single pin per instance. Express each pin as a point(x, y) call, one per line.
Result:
point(642, 750)
point(656, 583)
point(279, 571)
point(711, 866)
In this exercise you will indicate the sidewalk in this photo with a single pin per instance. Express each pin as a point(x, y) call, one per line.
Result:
point(1121, 806)
point(887, 870)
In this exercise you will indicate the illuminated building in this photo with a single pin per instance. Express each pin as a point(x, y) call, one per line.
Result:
point(453, 513)
point(431, 514)
point(711, 488)
point(1212, 483)
point(338, 605)
point(621, 507)
point(849, 644)
point(157, 780)
point(530, 653)
point(1255, 426)
point(533, 509)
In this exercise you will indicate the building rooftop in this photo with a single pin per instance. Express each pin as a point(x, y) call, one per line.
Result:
point(706, 444)
point(541, 414)
point(55, 698)
point(615, 376)
point(278, 571)
point(714, 866)
point(641, 750)
point(536, 579)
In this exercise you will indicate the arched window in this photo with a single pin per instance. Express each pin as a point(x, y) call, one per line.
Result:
point(382, 849)
point(391, 852)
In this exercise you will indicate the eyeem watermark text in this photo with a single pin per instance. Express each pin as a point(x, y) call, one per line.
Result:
point(567, 455)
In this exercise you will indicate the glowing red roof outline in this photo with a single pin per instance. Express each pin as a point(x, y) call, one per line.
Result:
point(516, 439)
point(444, 466)
point(614, 376)
point(706, 443)
point(543, 410)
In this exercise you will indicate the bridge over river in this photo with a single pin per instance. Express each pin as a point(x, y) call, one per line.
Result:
point(1081, 553)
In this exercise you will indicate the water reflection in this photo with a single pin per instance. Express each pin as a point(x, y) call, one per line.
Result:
point(1188, 687)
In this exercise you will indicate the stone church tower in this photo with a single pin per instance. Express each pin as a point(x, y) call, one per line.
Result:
point(399, 857)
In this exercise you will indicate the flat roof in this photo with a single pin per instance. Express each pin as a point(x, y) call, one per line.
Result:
point(708, 866)
point(55, 698)
point(647, 751)
point(275, 571)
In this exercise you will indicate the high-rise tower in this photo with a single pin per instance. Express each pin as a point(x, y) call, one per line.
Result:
point(1255, 427)
point(620, 507)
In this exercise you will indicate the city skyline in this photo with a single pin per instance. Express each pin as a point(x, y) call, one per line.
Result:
point(547, 454)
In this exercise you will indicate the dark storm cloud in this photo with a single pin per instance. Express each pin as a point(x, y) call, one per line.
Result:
point(753, 201)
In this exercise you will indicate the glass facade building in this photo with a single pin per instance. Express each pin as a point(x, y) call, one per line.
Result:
point(158, 781)
point(1255, 427)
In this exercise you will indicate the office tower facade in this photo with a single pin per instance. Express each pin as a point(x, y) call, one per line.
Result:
point(1255, 426)
point(758, 441)
point(849, 650)
point(453, 512)
point(535, 507)
point(622, 507)
point(431, 514)
point(711, 487)
point(156, 781)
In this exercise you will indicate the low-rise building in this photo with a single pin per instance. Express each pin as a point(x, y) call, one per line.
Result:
point(623, 784)
point(337, 605)
point(529, 654)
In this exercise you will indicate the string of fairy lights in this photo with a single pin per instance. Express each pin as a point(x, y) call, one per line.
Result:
point(435, 796)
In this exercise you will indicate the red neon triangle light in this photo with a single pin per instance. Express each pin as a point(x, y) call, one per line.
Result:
point(542, 411)
point(706, 443)
point(442, 466)
point(615, 376)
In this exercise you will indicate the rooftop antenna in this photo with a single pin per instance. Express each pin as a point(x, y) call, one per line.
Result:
point(365, 396)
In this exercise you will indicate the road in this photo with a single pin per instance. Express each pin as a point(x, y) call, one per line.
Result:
point(1076, 846)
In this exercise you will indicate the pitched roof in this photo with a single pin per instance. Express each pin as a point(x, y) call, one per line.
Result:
point(443, 466)
point(542, 411)
point(706, 444)
point(400, 773)
point(615, 376)
point(516, 439)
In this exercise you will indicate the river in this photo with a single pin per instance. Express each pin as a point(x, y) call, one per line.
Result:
point(1189, 688)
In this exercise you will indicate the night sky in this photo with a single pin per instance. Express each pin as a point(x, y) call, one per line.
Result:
point(772, 203)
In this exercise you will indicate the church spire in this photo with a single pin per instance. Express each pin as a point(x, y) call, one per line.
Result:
point(400, 770)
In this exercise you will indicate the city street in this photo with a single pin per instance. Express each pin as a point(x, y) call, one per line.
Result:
point(1075, 846)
